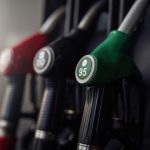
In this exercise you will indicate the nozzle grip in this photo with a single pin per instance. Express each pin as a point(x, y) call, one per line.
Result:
point(91, 129)
point(11, 103)
point(51, 106)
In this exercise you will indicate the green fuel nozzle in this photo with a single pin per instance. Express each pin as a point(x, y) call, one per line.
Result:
point(108, 62)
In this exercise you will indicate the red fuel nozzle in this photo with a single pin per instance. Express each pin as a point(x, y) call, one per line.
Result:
point(18, 59)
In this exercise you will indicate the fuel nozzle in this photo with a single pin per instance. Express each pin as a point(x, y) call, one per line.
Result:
point(108, 62)
point(18, 59)
point(64, 53)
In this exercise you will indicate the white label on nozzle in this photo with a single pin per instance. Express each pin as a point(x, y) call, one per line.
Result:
point(44, 60)
point(5, 59)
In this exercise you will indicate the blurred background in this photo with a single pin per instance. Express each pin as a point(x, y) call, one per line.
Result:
point(18, 19)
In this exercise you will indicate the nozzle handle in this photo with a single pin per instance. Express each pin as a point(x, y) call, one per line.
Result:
point(50, 108)
point(11, 103)
point(49, 115)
